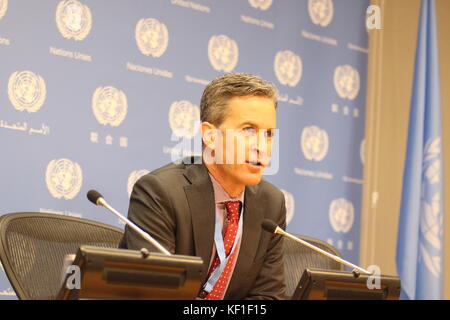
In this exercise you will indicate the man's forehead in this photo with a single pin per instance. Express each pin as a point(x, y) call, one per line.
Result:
point(259, 112)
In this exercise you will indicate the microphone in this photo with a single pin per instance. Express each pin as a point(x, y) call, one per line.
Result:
point(96, 198)
point(272, 227)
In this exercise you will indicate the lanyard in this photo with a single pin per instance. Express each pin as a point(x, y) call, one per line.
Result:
point(218, 240)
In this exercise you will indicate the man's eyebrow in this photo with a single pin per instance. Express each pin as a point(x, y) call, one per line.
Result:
point(252, 124)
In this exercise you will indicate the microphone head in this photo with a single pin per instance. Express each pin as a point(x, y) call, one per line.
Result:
point(269, 225)
point(93, 196)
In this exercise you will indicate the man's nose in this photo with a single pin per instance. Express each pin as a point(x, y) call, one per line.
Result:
point(261, 147)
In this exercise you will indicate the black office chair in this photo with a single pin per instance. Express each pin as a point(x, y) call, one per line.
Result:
point(298, 257)
point(33, 246)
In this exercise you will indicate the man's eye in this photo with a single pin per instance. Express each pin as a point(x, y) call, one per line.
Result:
point(249, 131)
point(270, 133)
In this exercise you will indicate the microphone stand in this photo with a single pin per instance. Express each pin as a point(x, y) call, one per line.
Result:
point(101, 202)
point(356, 270)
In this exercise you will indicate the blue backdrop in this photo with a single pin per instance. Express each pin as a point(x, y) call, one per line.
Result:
point(93, 94)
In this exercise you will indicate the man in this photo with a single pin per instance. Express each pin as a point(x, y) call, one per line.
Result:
point(214, 209)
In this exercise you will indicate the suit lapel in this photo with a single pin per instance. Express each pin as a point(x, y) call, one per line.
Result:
point(253, 216)
point(200, 196)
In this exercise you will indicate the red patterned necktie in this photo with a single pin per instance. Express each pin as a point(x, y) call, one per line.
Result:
point(233, 210)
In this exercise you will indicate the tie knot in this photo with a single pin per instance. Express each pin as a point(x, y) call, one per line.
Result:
point(233, 209)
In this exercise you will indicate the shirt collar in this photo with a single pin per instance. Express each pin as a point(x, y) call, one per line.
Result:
point(220, 195)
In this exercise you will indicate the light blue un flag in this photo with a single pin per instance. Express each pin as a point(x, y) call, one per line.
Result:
point(420, 251)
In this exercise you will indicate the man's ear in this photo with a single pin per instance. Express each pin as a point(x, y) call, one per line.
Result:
point(209, 134)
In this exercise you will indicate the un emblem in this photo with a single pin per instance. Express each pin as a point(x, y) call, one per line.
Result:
point(109, 106)
point(432, 161)
point(261, 4)
point(432, 213)
point(3, 7)
point(26, 91)
point(346, 81)
point(184, 119)
point(152, 37)
point(133, 177)
point(314, 143)
point(431, 233)
point(288, 68)
point(223, 53)
point(290, 205)
point(63, 178)
point(321, 11)
point(73, 19)
point(342, 215)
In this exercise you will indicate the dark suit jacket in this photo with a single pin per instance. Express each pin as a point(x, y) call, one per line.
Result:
point(175, 204)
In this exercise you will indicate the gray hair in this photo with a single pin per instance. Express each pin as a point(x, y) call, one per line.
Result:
point(213, 105)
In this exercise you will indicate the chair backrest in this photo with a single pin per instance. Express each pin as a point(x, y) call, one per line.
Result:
point(33, 246)
point(298, 257)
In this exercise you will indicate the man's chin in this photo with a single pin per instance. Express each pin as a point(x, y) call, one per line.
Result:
point(252, 180)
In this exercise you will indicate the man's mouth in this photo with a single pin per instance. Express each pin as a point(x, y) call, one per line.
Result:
point(256, 163)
